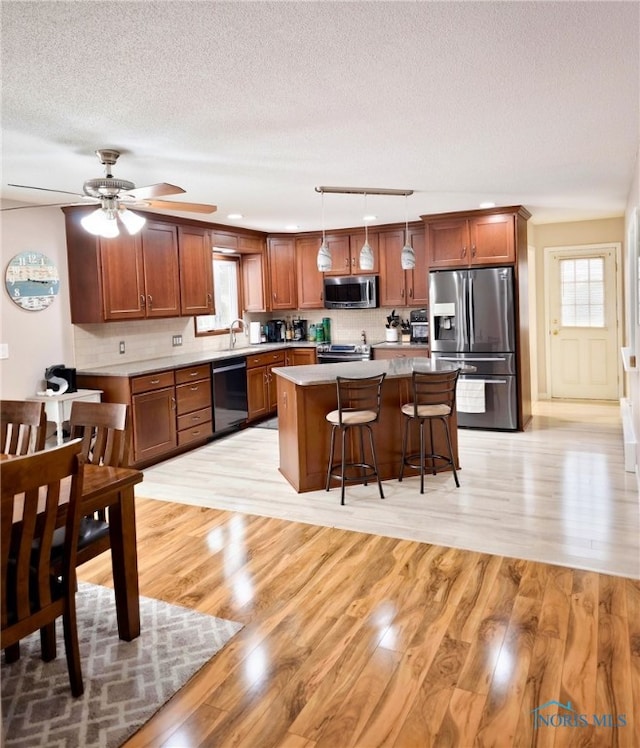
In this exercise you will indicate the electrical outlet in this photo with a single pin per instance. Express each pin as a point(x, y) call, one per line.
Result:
point(177, 340)
point(122, 346)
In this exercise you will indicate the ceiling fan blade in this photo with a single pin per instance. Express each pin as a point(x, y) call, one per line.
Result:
point(45, 189)
point(187, 207)
point(43, 205)
point(155, 190)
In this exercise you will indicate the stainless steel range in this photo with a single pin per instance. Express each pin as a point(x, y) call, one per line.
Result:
point(333, 353)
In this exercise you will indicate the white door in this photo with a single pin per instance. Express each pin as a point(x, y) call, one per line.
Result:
point(583, 325)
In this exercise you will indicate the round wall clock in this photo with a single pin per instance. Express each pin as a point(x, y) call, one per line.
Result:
point(32, 281)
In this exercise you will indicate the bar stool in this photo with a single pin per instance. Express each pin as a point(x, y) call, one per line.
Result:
point(434, 398)
point(359, 402)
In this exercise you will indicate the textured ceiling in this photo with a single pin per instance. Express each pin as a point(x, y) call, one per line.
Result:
point(250, 105)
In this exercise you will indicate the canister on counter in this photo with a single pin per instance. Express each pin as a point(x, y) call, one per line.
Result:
point(326, 327)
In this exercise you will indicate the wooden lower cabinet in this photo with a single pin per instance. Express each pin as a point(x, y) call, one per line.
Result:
point(154, 423)
point(262, 395)
point(301, 356)
point(193, 404)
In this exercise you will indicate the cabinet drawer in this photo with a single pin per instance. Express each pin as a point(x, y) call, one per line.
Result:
point(195, 433)
point(192, 420)
point(193, 396)
point(149, 382)
point(269, 358)
point(193, 373)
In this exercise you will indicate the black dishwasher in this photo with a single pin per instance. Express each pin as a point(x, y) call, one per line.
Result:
point(229, 394)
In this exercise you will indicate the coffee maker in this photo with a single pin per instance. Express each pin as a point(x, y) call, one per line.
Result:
point(299, 329)
point(419, 323)
point(275, 331)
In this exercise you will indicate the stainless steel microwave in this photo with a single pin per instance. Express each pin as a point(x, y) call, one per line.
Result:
point(351, 292)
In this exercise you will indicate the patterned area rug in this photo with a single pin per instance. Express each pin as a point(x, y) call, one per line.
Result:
point(271, 423)
point(125, 683)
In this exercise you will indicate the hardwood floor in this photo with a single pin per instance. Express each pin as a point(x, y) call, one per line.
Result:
point(361, 639)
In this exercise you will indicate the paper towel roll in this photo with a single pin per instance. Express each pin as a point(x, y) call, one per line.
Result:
point(254, 333)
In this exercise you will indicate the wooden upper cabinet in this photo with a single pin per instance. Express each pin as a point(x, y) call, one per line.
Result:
point(196, 271)
point(345, 253)
point(282, 263)
point(140, 275)
point(483, 237)
point(161, 270)
point(121, 269)
point(400, 287)
point(310, 280)
point(243, 243)
point(253, 283)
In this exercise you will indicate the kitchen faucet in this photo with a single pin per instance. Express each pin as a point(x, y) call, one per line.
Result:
point(232, 334)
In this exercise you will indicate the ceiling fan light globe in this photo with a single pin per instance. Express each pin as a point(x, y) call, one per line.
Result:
point(99, 223)
point(132, 221)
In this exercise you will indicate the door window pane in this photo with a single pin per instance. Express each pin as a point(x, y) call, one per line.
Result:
point(582, 292)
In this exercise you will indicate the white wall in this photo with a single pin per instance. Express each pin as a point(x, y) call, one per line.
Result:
point(35, 339)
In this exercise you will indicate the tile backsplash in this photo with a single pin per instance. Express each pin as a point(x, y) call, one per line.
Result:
point(99, 345)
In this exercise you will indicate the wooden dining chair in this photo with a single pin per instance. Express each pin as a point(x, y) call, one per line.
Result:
point(23, 426)
point(103, 429)
point(32, 598)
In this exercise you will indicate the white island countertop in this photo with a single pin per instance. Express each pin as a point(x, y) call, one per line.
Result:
point(313, 374)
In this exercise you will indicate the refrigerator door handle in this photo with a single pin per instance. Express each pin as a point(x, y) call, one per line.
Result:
point(472, 326)
point(472, 358)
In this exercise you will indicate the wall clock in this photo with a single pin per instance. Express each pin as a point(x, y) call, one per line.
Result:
point(32, 281)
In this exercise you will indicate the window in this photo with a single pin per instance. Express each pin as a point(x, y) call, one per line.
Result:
point(582, 292)
point(226, 294)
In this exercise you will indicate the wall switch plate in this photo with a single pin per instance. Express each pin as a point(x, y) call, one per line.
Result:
point(121, 347)
point(177, 340)
point(4, 350)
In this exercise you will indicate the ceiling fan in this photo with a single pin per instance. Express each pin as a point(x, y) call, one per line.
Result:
point(115, 196)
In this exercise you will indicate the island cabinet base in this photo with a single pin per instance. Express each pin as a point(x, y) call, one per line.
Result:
point(304, 433)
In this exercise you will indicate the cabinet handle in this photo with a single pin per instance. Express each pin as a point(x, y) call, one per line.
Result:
point(473, 250)
point(154, 381)
point(402, 294)
point(142, 301)
point(195, 418)
point(346, 262)
point(174, 405)
point(193, 374)
point(150, 301)
point(411, 293)
point(464, 251)
point(353, 262)
point(194, 389)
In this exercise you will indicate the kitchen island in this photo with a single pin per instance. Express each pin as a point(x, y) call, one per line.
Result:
point(307, 393)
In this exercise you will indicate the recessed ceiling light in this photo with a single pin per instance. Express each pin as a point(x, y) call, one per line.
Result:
point(292, 227)
point(369, 217)
point(487, 205)
point(235, 216)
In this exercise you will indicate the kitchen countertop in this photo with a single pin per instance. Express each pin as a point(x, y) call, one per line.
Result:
point(135, 368)
point(311, 374)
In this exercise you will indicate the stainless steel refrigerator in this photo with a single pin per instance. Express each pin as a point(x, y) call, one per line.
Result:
point(473, 322)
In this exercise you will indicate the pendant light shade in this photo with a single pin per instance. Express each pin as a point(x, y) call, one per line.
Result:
point(132, 221)
point(101, 223)
point(408, 255)
point(365, 259)
point(324, 253)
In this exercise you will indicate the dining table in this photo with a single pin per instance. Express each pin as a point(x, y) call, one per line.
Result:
point(113, 487)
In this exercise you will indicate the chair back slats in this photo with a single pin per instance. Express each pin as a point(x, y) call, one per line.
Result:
point(104, 430)
point(31, 489)
point(360, 394)
point(23, 426)
point(434, 388)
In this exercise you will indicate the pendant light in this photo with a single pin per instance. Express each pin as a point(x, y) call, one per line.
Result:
point(324, 253)
point(365, 261)
point(408, 255)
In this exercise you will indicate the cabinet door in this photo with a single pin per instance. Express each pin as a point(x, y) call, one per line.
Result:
point(282, 273)
point(392, 276)
point(161, 273)
point(448, 243)
point(310, 279)
point(418, 278)
point(253, 291)
point(341, 263)
point(154, 423)
point(257, 395)
point(272, 388)
point(492, 239)
point(355, 244)
point(301, 356)
point(121, 265)
point(196, 271)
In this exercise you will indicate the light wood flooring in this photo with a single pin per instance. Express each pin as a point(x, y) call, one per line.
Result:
point(361, 639)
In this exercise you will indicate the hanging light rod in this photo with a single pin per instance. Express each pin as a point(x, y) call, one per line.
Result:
point(363, 191)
